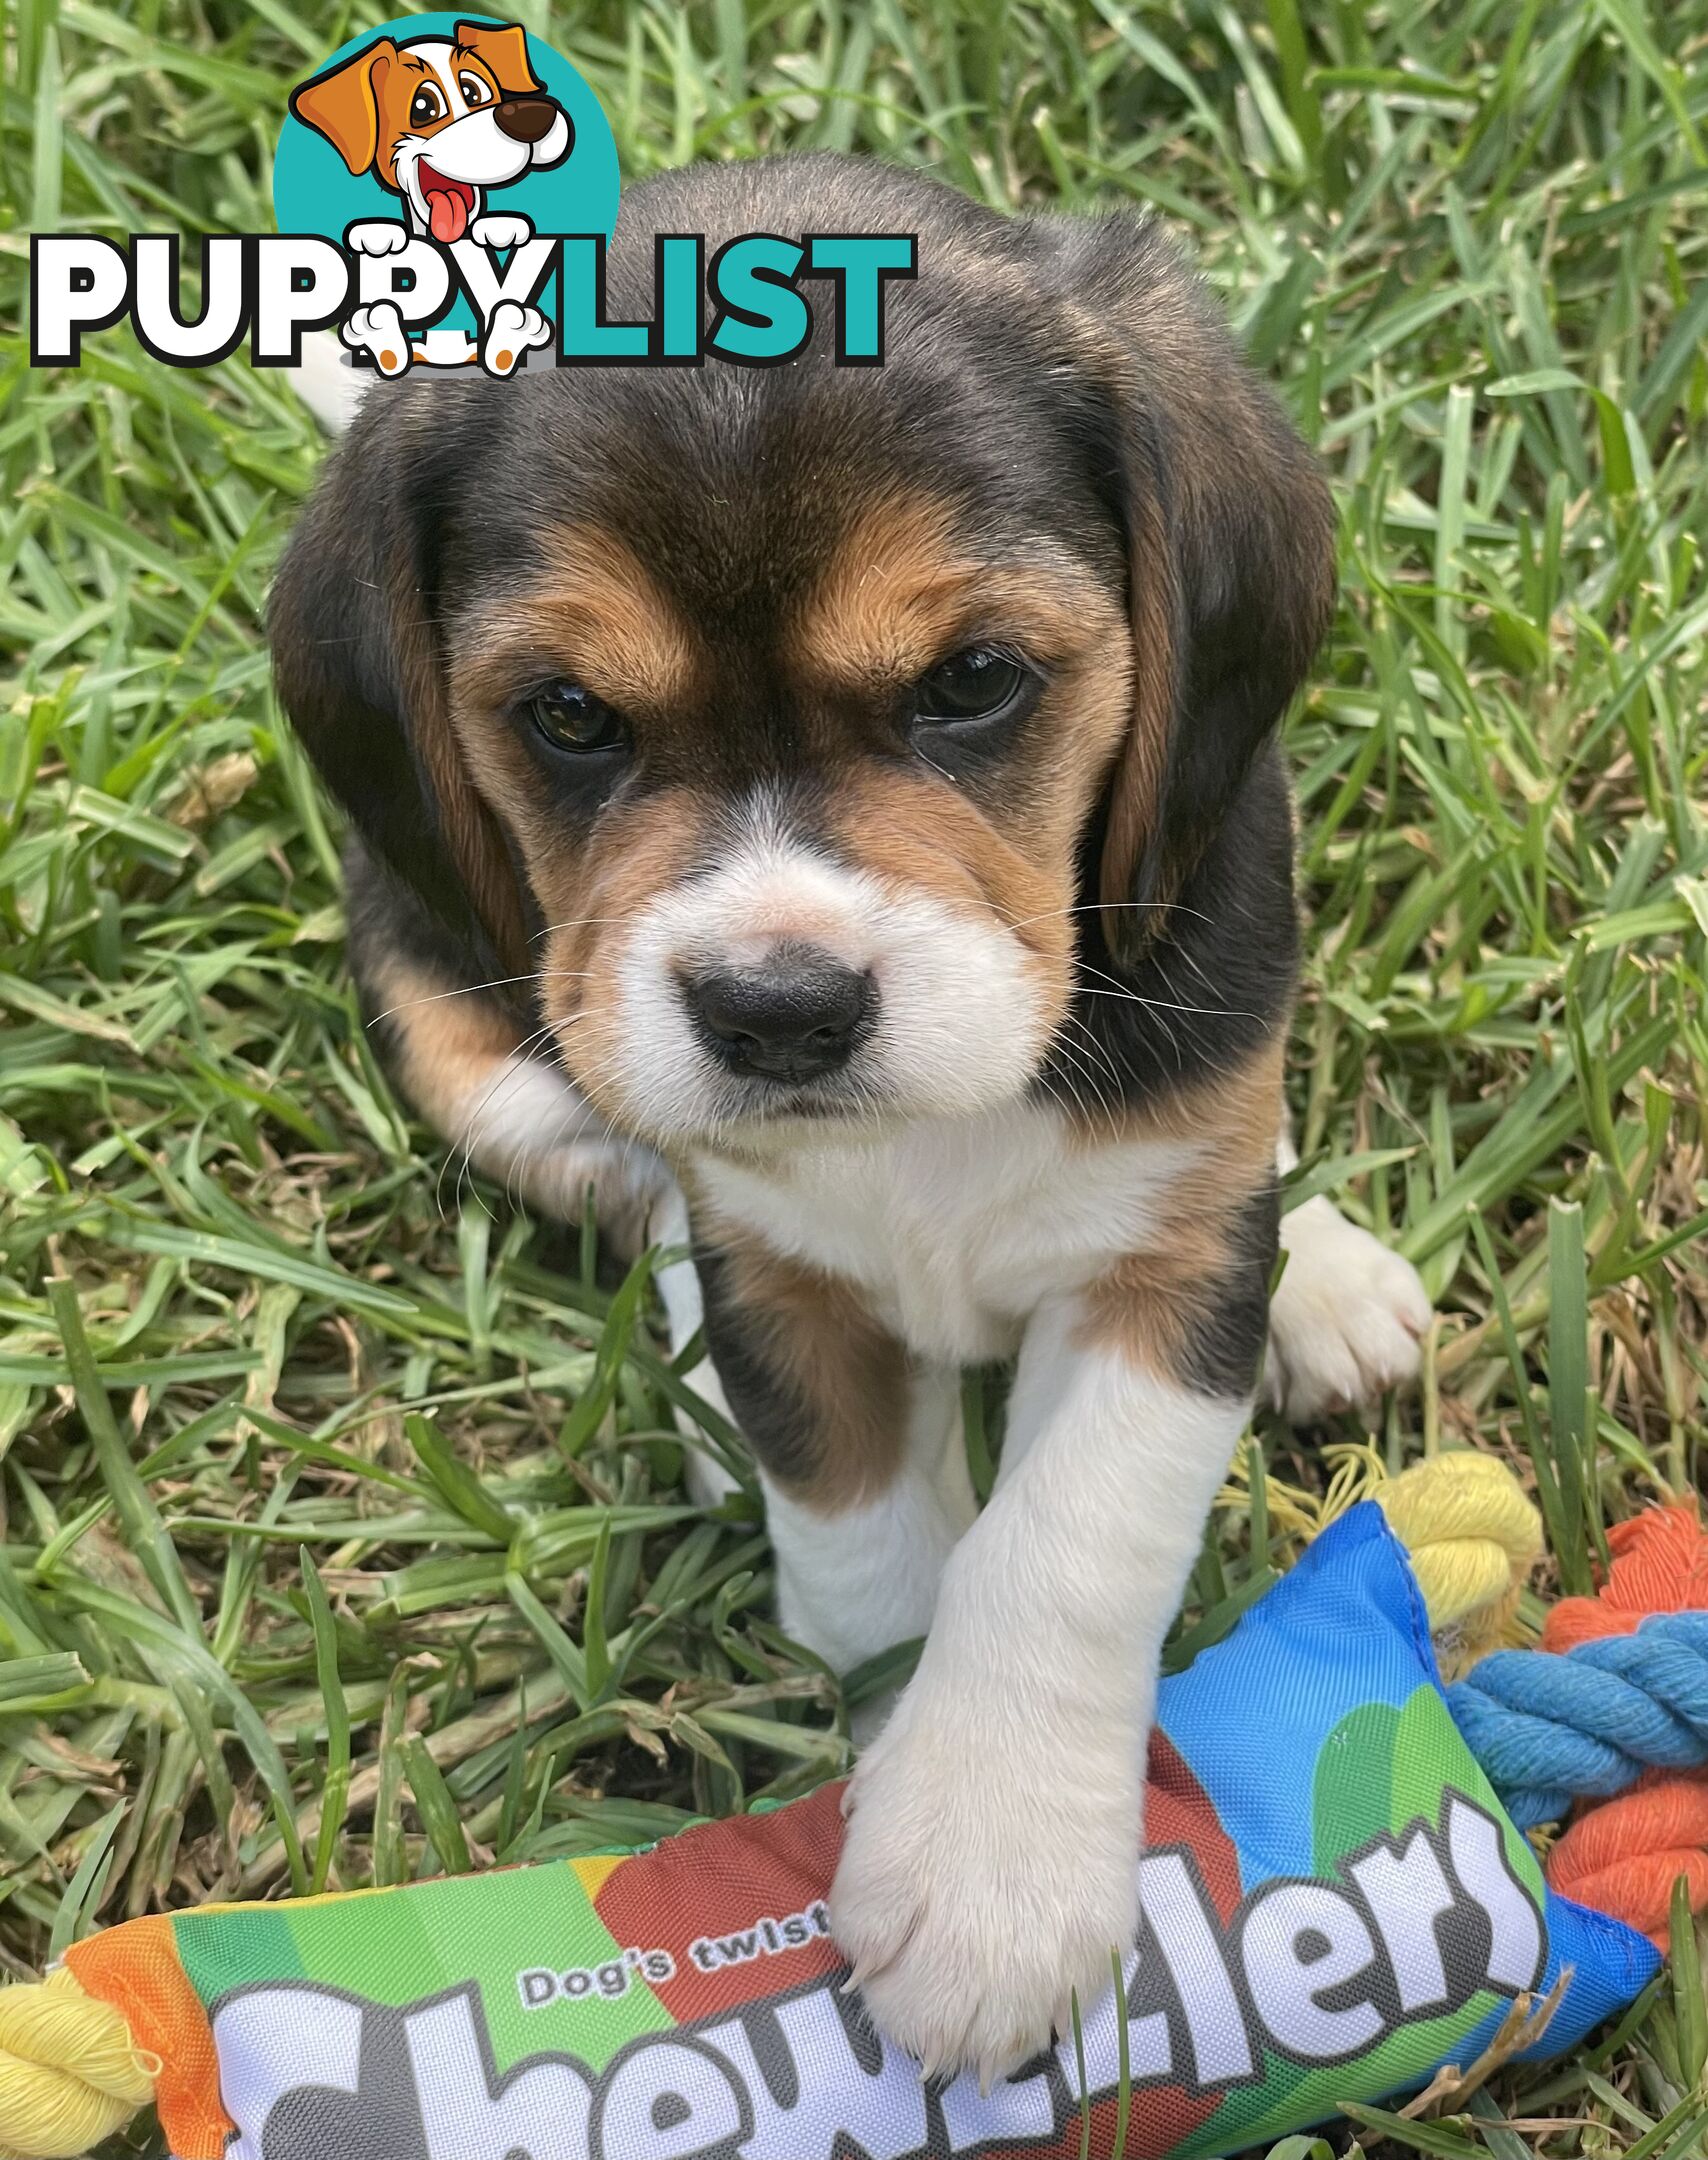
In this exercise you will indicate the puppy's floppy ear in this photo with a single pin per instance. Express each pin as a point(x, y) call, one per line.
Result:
point(505, 51)
point(343, 104)
point(360, 670)
point(1230, 552)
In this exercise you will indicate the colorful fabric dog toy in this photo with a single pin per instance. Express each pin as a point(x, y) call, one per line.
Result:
point(1334, 1905)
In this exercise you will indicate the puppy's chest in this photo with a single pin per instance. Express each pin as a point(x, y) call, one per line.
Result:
point(955, 1233)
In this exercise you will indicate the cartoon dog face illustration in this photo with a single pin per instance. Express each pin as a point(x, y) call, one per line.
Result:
point(439, 120)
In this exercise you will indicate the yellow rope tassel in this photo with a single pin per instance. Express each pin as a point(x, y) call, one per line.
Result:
point(69, 2075)
point(1356, 1472)
point(1473, 1537)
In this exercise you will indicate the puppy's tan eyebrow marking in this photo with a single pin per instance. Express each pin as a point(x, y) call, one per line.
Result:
point(900, 590)
point(594, 613)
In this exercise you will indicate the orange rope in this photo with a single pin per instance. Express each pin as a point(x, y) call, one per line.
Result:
point(1623, 1855)
point(1660, 1564)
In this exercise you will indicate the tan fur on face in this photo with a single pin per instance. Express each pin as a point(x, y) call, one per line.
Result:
point(1145, 1304)
point(589, 903)
point(593, 614)
point(598, 618)
point(902, 593)
point(917, 833)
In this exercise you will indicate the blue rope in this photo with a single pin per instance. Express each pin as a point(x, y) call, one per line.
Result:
point(1584, 1724)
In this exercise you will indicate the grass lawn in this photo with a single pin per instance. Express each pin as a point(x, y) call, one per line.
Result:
point(277, 1388)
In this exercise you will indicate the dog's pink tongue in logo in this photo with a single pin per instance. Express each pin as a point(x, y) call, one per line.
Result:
point(448, 203)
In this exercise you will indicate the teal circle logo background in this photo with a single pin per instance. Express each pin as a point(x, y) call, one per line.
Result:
point(315, 192)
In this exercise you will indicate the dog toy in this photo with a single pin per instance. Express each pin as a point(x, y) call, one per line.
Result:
point(1550, 1730)
point(1334, 1905)
point(1625, 1853)
point(1620, 1730)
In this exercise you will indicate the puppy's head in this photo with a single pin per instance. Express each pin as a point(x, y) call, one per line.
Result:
point(803, 735)
point(438, 119)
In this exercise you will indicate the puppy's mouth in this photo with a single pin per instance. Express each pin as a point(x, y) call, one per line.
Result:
point(746, 1107)
point(450, 203)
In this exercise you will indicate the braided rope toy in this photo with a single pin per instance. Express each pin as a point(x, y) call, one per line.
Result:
point(687, 1999)
point(1625, 1853)
point(1473, 1538)
point(1623, 1722)
point(1588, 1723)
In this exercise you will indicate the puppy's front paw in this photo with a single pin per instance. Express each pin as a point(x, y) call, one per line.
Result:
point(501, 230)
point(1346, 1321)
point(622, 1181)
point(987, 1875)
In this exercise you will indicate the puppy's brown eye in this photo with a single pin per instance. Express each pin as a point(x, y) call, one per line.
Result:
point(473, 89)
point(571, 718)
point(426, 106)
point(978, 684)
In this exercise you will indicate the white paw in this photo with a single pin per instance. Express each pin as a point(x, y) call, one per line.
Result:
point(512, 330)
point(379, 331)
point(990, 1869)
point(501, 231)
point(623, 1180)
point(1346, 1322)
point(379, 236)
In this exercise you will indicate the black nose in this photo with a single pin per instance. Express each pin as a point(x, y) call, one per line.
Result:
point(795, 1017)
point(526, 119)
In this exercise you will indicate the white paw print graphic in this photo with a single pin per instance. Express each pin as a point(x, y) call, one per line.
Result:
point(379, 331)
point(511, 333)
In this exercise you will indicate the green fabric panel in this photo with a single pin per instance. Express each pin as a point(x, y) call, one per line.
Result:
point(1350, 1805)
point(240, 1948)
point(404, 1945)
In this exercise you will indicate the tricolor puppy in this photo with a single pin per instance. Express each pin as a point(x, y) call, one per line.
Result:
point(854, 794)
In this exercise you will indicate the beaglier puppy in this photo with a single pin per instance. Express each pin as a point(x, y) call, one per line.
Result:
point(854, 794)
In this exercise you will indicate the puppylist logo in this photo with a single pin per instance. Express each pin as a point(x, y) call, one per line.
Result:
point(446, 188)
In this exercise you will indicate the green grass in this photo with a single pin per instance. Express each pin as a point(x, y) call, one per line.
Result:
point(345, 1538)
